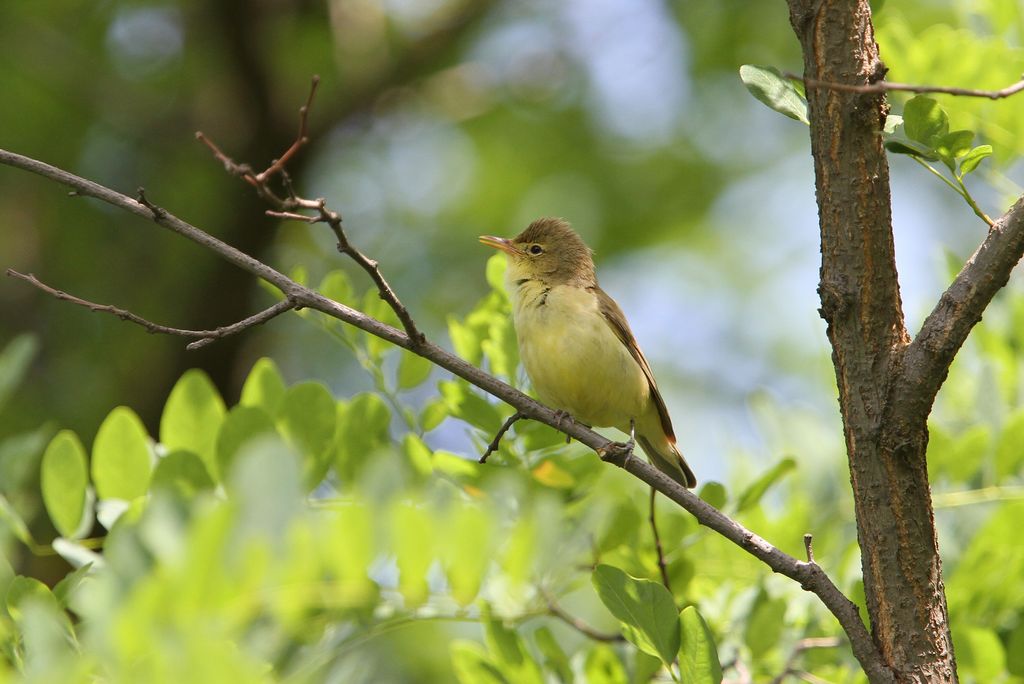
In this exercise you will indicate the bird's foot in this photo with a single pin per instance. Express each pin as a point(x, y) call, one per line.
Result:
point(561, 417)
point(620, 453)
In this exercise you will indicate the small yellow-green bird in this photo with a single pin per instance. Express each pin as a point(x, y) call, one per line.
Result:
point(576, 344)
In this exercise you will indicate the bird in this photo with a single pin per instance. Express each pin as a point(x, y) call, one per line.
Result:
point(576, 344)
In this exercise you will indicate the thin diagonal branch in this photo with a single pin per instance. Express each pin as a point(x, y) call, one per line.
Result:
point(579, 625)
point(493, 446)
point(926, 360)
point(809, 575)
point(204, 337)
point(887, 86)
point(662, 566)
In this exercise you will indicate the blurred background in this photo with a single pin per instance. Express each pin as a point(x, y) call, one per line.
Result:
point(437, 121)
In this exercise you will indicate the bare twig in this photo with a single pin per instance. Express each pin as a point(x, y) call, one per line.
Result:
point(205, 337)
point(811, 577)
point(801, 646)
point(493, 446)
point(301, 139)
point(662, 566)
point(886, 86)
point(285, 207)
point(579, 625)
point(809, 546)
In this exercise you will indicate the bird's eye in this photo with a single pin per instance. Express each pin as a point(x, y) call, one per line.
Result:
point(536, 249)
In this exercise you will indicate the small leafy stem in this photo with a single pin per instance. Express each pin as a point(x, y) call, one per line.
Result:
point(921, 133)
point(958, 187)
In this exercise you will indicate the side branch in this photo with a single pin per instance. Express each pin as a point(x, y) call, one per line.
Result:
point(810, 576)
point(886, 86)
point(926, 360)
point(205, 337)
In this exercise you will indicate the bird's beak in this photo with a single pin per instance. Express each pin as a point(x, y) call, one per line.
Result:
point(504, 244)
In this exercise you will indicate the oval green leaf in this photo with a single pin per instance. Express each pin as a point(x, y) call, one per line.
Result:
point(64, 477)
point(122, 459)
point(242, 424)
point(769, 86)
point(182, 472)
point(924, 120)
point(698, 655)
point(264, 387)
point(973, 158)
point(192, 417)
point(645, 608)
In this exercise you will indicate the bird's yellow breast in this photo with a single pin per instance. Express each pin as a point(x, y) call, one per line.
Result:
point(575, 361)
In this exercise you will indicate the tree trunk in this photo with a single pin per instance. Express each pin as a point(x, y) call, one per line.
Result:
point(860, 301)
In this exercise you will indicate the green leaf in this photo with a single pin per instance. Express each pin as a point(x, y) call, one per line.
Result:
point(467, 545)
point(509, 652)
point(64, 478)
point(472, 666)
point(764, 624)
point(412, 531)
point(973, 158)
point(955, 144)
point(242, 424)
point(1015, 651)
point(714, 494)
point(621, 527)
point(645, 667)
point(337, 285)
point(15, 360)
point(924, 120)
point(769, 86)
point(603, 666)
point(182, 472)
point(698, 655)
point(14, 522)
point(413, 370)
point(377, 308)
point(24, 589)
point(497, 264)
point(418, 453)
point(307, 418)
point(467, 405)
point(751, 496)
point(465, 341)
point(264, 387)
point(363, 427)
point(122, 459)
point(192, 417)
point(63, 590)
point(502, 347)
point(979, 652)
point(555, 658)
point(645, 608)
point(901, 145)
point(433, 414)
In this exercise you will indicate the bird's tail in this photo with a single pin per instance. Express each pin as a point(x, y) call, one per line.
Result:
point(668, 460)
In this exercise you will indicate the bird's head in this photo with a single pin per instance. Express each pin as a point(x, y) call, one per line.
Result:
point(548, 250)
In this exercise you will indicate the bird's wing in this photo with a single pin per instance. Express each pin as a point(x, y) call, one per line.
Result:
point(617, 322)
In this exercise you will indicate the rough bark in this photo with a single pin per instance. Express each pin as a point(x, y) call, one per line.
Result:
point(860, 301)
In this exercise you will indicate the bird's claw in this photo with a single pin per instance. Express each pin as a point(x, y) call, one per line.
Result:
point(560, 417)
point(620, 450)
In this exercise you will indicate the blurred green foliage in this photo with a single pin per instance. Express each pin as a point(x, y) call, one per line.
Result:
point(301, 538)
point(239, 523)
